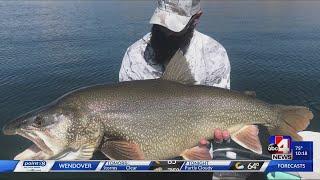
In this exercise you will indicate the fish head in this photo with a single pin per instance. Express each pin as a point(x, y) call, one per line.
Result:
point(53, 131)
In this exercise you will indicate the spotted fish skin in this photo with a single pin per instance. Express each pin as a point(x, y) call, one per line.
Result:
point(165, 117)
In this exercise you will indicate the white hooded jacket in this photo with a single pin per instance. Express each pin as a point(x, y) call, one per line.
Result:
point(208, 61)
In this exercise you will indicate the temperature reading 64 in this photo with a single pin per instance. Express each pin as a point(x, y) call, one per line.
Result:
point(253, 166)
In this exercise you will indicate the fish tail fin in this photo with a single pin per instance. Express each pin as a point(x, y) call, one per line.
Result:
point(293, 119)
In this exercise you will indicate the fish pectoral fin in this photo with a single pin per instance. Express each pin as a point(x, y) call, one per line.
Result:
point(196, 153)
point(83, 153)
point(122, 150)
point(86, 152)
point(248, 138)
point(178, 70)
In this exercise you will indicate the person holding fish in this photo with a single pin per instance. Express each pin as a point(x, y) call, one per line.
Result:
point(164, 105)
point(173, 28)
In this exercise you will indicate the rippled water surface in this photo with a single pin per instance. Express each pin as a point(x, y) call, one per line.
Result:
point(48, 48)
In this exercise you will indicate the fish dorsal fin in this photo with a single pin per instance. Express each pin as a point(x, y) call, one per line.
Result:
point(178, 70)
point(248, 138)
point(122, 150)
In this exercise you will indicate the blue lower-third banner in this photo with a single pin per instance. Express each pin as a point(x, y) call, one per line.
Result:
point(7, 166)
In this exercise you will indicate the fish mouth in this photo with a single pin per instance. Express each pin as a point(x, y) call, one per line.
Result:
point(8, 131)
point(10, 128)
point(39, 143)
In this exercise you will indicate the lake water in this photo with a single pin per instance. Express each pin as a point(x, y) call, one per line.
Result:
point(48, 48)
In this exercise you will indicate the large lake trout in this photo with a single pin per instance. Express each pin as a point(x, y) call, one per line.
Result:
point(150, 119)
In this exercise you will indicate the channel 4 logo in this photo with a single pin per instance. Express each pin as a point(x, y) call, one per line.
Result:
point(280, 147)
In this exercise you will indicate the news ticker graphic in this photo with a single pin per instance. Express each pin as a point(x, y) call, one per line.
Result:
point(155, 166)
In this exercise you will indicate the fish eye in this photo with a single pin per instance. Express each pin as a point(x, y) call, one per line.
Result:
point(38, 121)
